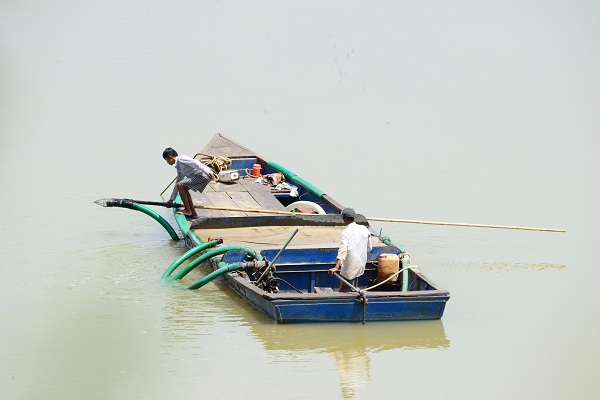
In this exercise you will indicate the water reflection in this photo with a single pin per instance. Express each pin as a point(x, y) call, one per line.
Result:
point(217, 310)
point(354, 370)
point(371, 337)
point(350, 345)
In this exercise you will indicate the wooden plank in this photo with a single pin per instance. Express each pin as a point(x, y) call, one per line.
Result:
point(263, 195)
point(222, 199)
point(245, 200)
point(251, 186)
point(210, 187)
point(227, 187)
point(267, 201)
point(204, 199)
point(222, 146)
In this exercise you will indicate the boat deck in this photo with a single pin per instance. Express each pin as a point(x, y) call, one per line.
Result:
point(244, 193)
point(270, 237)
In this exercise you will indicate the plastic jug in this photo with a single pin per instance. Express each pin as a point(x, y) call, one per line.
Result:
point(388, 265)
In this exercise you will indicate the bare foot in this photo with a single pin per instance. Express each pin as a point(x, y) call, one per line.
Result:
point(187, 215)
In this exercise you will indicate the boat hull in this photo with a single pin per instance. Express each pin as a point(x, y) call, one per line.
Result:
point(289, 307)
point(345, 308)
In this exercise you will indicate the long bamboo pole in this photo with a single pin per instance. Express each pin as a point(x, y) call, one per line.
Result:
point(406, 221)
point(410, 221)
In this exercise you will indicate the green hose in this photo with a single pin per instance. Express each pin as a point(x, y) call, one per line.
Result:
point(184, 226)
point(188, 254)
point(388, 241)
point(405, 274)
point(211, 253)
point(125, 203)
point(290, 176)
point(214, 275)
point(128, 203)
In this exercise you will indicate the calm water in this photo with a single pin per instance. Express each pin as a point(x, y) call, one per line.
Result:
point(470, 112)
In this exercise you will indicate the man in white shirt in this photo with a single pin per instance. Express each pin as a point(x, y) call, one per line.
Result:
point(191, 174)
point(352, 255)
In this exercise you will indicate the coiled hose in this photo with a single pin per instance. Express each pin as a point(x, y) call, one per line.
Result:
point(211, 253)
point(188, 254)
point(215, 274)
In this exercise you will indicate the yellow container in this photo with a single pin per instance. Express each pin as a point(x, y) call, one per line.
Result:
point(388, 265)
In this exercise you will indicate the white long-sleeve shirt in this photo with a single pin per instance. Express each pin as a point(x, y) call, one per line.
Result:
point(353, 250)
point(187, 166)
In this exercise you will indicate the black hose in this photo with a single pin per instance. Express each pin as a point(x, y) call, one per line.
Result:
point(292, 286)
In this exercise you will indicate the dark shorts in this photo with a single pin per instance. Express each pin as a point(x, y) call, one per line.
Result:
point(197, 182)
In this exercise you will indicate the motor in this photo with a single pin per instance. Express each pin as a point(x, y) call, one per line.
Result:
point(264, 278)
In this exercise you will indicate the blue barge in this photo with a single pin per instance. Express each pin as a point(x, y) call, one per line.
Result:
point(242, 229)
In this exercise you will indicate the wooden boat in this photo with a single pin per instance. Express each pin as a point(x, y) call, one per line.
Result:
point(290, 281)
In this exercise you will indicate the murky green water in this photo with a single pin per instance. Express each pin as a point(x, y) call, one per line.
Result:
point(462, 112)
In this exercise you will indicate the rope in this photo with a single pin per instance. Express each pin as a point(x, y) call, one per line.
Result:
point(388, 278)
point(249, 174)
point(218, 162)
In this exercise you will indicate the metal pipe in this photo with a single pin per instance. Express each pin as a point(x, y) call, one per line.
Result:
point(361, 295)
point(276, 257)
point(341, 278)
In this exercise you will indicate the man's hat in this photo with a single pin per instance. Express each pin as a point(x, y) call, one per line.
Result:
point(349, 213)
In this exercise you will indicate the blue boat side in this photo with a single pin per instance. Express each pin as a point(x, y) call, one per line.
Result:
point(305, 270)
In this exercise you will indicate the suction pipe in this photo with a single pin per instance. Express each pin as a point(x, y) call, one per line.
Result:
point(188, 254)
point(215, 274)
point(211, 253)
point(127, 203)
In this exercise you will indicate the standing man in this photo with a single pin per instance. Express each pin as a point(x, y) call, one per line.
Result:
point(352, 255)
point(191, 174)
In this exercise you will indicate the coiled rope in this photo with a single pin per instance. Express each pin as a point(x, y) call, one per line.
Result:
point(219, 163)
